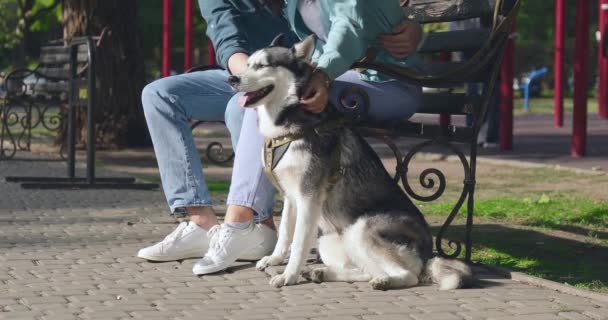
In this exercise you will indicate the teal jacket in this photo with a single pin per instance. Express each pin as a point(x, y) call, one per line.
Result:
point(352, 27)
point(246, 26)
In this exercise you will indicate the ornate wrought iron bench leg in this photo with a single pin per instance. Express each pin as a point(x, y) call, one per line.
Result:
point(470, 202)
point(218, 157)
point(28, 127)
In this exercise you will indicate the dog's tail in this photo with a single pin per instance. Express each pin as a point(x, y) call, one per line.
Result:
point(448, 273)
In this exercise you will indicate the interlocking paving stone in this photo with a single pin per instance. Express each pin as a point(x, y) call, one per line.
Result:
point(479, 315)
point(597, 314)
point(70, 255)
point(573, 316)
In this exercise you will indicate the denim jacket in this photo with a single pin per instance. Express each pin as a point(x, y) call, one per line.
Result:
point(241, 26)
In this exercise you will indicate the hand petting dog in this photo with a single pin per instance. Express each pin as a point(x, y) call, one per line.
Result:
point(316, 94)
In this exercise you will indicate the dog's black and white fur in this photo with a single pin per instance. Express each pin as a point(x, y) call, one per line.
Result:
point(371, 231)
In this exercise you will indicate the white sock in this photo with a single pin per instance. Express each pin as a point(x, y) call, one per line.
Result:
point(239, 225)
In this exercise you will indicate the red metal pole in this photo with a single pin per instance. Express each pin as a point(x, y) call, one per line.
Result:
point(581, 43)
point(187, 34)
point(602, 102)
point(506, 96)
point(210, 53)
point(166, 67)
point(558, 64)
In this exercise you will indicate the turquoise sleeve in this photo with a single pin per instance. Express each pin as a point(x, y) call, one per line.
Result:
point(346, 41)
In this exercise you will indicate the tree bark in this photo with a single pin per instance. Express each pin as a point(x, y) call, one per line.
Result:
point(120, 70)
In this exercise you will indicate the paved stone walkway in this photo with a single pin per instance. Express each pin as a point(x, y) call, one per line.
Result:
point(536, 140)
point(70, 255)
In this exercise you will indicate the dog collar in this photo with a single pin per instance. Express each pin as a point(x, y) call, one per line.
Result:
point(275, 149)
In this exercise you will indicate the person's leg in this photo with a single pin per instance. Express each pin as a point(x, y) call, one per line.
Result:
point(493, 118)
point(247, 194)
point(250, 187)
point(388, 100)
point(168, 105)
point(234, 120)
point(251, 197)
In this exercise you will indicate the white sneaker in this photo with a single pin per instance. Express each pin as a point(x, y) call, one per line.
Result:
point(263, 249)
point(187, 241)
point(227, 244)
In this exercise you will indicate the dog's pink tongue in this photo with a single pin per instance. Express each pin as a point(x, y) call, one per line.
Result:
point(243, 100)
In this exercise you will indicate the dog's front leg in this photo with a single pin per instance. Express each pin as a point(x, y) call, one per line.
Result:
point(307, 216)
point(286, 228)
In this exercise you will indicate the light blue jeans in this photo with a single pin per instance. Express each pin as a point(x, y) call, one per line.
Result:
point(169, 103)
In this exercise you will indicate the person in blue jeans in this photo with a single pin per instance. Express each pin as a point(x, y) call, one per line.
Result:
point(345, 29)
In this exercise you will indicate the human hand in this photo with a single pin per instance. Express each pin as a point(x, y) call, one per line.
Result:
point(403, 41)
point(316, 94)
point(237, 63)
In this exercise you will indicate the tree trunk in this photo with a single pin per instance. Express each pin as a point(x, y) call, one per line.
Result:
point(120, 69)
point(23, 28)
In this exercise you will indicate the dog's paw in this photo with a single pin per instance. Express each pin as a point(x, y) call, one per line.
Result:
point(380, 283)
point(268, 261)
point(283, 279)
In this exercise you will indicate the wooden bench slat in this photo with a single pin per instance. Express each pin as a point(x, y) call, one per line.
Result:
point(55, 72)
point(61, 58)
point(450, 41)
point(430, 11)
point(61, 54)
point(50, 87)
point(61, 49)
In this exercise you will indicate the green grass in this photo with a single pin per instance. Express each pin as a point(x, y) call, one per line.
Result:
point(545, 105)
point(594, 285)
point(578, 263)
point(518, 234)
point(215, 187)
point(554, 211)
point(218, 187)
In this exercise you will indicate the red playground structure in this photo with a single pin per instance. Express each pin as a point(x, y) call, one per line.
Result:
point(581, 69)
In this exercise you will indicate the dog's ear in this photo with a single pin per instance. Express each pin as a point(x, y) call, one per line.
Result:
point(305, 48)
point(277, 41)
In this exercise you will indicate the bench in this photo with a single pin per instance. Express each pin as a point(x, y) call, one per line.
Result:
point(38, 98)
point(488, 42)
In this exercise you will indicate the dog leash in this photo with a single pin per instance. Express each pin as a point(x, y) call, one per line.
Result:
point(275, 149)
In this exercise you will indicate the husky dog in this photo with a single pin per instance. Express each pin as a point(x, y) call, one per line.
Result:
point(333, 181)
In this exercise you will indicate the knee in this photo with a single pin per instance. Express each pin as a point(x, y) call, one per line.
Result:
point(234, 114)
point(157, 98)
point(148, 96)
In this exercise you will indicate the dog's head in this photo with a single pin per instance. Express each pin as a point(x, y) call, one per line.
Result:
point(275, 76)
